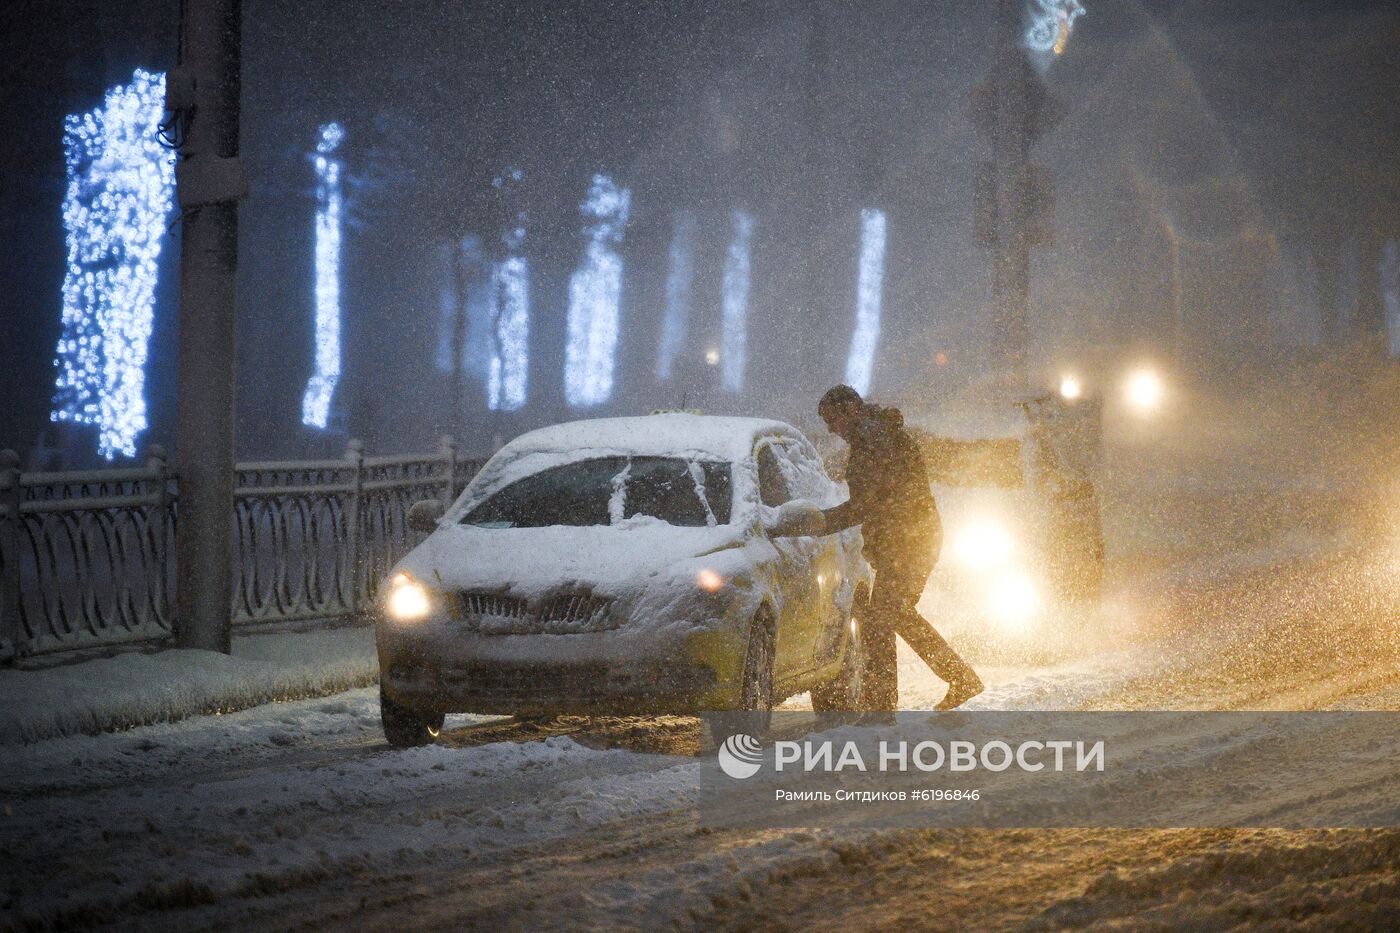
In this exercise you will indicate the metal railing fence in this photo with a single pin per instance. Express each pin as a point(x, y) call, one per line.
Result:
point(87, 559)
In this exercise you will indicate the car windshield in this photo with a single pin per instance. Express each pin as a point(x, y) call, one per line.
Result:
point(608, 490)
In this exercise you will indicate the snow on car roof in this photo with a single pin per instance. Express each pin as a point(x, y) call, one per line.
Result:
point(692, 437)
point(671, 434)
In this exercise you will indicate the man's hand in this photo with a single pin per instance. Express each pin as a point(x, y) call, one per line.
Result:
point(798, 518)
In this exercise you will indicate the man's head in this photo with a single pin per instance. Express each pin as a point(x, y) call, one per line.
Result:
point(839, 409)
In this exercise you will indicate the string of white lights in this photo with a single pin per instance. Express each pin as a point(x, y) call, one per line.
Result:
point(506, 381)
point(1051, 22)
point(860, 363)
point(735, 304)
point(316, 403)
point(674, 322)
point(595, 292)
point(120, 186)
point(509, 365)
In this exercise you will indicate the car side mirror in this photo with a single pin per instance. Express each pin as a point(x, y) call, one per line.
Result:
point(795, 518)
point(424, 515)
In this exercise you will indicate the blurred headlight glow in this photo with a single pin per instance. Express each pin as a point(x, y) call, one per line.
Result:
point(982, 543)
point(1145, 390)
point(1070, 388)
point(709, 580)
point(1013, 602)
point(408, 599)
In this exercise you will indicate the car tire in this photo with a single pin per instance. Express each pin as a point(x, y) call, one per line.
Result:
point(838, 700)
point(407, 728)
point(754, 713)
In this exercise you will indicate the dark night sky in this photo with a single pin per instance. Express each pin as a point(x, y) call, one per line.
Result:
point(1253, 132)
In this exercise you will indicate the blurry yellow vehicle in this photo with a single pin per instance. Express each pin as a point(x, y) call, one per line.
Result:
point(1016, 485)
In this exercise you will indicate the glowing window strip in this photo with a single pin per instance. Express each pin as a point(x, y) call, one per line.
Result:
point(316, 403)
point(860, 363)
point(735, 304)
point(678, 279)
point(595, 291)
point(120, 185)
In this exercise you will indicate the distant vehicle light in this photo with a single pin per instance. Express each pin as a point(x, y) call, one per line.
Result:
point(1070, 388)
point(408, 599)
point(1145, 390)
point(712, 357)
point(1013, 602)
point(709, 580)
point(982, 543)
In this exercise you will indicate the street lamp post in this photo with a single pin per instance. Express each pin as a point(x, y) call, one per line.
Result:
point(203, 93)
point(1014, 197)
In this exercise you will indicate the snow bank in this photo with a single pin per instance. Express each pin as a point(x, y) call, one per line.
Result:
point(135, 689)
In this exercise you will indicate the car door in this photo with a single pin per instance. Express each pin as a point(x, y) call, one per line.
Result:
point(799, 628)
point(832, 556)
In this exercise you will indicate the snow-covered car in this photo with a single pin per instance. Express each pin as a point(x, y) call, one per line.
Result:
point(623, 565)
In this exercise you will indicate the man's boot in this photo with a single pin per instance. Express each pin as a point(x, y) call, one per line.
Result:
point(961, 690)
point(947, 664)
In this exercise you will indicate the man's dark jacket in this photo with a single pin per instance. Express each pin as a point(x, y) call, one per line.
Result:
point(889, 490)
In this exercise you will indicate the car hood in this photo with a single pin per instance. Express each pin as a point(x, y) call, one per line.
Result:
point(609, 560)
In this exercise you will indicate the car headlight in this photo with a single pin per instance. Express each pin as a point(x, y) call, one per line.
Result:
point(1144, 390)
point(711, 581)
point(982, 543)
point(409, 600)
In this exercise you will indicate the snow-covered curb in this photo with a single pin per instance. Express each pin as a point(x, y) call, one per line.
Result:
point(136, 689)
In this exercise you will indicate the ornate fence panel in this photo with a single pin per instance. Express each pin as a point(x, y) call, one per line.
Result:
point(290, 522)
point(314, 539)
point(87, 559)
point(390, 487)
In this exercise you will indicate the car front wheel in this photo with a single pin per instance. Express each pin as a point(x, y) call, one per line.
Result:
point(755, 710)
point(406, 728)
point(843, 693)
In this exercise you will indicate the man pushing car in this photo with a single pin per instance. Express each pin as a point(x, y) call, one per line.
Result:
point(891, 500)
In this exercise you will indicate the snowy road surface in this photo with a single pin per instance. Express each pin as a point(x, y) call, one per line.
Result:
point(298, 815)
point(1231, 587)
